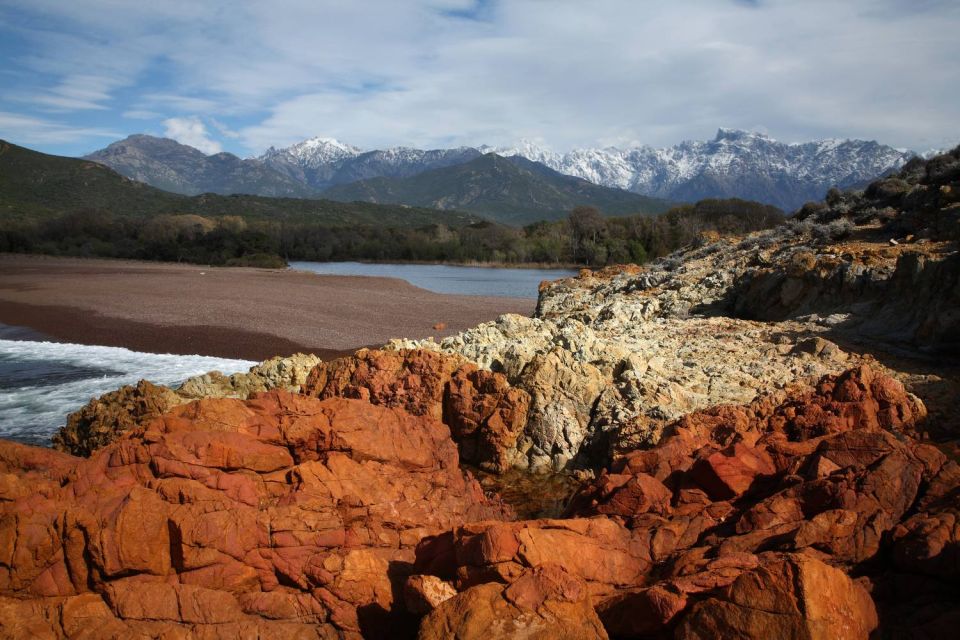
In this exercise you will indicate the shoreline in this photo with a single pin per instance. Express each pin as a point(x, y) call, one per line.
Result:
point(532, 266)
point(563, 266)
point(232, 312)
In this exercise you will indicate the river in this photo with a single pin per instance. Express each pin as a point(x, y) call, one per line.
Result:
point(450, 279)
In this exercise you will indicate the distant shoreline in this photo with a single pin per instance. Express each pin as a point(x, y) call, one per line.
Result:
point(233, 312)
point(481, 265)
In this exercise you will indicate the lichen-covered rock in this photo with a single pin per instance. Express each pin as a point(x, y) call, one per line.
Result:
point(635, 348)
point(104, 419)
point(423, 594)
point(289, 374)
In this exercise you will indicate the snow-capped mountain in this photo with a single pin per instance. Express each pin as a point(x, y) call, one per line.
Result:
point(325, 162)
point(734, 164)
point(313, 152)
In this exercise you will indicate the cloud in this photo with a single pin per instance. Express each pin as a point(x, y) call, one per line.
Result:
point(192, 132)
point(439, 72)
point(27, 129)
point(141, 114)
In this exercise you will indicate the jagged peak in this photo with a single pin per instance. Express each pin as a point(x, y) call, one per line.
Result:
point(732, 135)
point(326, 143)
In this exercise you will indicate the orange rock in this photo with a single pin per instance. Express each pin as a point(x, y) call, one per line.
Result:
point(602, 553)
point(790, 596)
point(727, 474)
point(224, 518)
point(543, 603)
point(485, 414)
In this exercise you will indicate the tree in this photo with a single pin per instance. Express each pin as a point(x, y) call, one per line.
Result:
point(587, 224)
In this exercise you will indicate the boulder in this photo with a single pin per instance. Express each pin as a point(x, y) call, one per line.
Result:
point(599, 551)
point(788, 596)
point(484, 413)
point(423, 594)
point(542, 603)
point(562, 392)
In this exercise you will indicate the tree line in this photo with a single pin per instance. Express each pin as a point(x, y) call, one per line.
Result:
point(586, 237)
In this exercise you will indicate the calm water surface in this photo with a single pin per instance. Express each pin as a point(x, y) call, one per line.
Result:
point(442, 278)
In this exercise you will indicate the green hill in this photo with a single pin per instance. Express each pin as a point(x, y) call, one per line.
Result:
point(36, 185)
point(512, 190)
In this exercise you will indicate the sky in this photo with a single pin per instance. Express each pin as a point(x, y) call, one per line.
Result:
point(241, 76)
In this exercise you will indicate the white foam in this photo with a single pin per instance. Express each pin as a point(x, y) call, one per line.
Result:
point(36, 409)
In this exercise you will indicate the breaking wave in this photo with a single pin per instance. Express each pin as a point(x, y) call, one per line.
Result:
point(41, 382)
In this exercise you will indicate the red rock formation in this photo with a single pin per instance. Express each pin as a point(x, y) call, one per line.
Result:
point(599, 551)
point(282, 516)
point(485, 414)
point(291, 516)
point(729, 527)
point(104, 419)
point(790, 596)
point(545, 603)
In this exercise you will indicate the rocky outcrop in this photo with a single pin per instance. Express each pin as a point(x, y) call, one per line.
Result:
point(104, 419)
point(288, 373)
point(280, 516)
point(485, 414)
point(789, 596)
point(734, 477)
point(589, 377)
point(289, 515)
point(744, 521)
point(724, 320)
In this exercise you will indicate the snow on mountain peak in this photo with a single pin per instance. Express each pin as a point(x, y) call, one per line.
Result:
point(315, 151)
point(736, 163)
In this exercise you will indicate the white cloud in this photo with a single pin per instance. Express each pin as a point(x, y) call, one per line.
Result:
point(191, 131)
point(26, 129)
point(570, 72)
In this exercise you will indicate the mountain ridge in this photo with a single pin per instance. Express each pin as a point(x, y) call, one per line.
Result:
point(508, 190)
point(169, 165)
point(734, 164)
point(35, 186)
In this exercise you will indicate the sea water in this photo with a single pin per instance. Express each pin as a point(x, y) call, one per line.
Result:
point(41, 382)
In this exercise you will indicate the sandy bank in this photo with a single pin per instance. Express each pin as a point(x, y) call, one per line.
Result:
point(229, 312)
